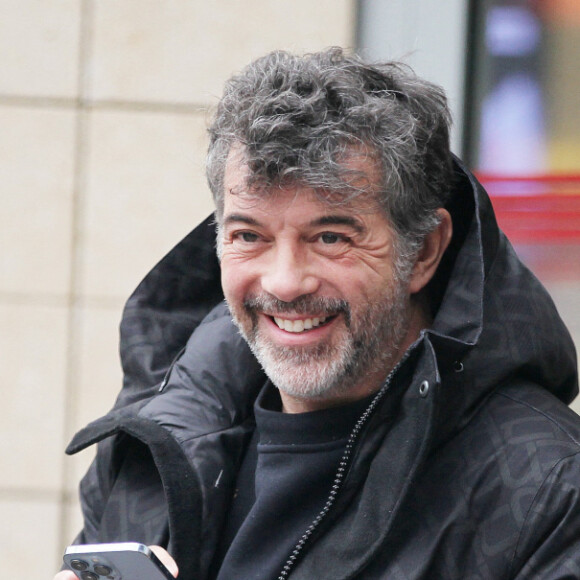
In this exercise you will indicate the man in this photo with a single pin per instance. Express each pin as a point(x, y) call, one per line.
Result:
point(408, 422)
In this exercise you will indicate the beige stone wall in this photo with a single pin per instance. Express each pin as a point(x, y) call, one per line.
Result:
point(103, 107)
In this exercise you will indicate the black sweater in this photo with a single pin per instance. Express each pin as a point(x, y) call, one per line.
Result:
point(283, 484)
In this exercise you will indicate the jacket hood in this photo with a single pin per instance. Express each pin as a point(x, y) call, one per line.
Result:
point(494, 321)
point(165, 309)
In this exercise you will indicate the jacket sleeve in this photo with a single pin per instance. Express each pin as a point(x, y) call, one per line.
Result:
point(549, 547)
point(122, 497)
point(93, 492)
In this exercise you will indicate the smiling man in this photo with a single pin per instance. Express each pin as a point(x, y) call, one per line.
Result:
point(314, 285)
point(364, 382)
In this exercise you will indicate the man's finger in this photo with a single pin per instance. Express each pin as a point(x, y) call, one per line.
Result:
point(165, 558)
point(65, 575)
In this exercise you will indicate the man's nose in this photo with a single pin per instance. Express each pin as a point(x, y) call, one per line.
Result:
point(289, 274)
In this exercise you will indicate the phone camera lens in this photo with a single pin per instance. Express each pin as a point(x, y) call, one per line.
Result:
point(102, 570)
point(88, 576)
point(79, 565)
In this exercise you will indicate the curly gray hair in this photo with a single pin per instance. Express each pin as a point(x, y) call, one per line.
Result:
point(298, 117)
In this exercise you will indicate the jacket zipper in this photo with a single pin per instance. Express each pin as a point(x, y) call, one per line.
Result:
point(340, 473)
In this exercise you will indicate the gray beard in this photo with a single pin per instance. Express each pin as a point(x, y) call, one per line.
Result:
point(369, 343)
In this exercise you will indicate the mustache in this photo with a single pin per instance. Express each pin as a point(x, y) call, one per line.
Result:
point(306, 305)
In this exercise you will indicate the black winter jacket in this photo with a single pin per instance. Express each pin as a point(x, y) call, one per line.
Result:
point(465, 466)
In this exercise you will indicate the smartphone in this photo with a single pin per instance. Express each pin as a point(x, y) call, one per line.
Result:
point(119, 561)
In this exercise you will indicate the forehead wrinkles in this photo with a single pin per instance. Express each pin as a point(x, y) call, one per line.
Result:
point(331, 204)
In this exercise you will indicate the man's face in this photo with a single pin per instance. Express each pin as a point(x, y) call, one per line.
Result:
point(312, 287)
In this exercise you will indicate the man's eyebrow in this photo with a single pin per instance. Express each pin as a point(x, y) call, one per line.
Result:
point(327, 220)
point(338, 220)
point(241, 218)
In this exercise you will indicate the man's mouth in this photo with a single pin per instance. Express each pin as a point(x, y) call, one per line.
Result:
point(300, 325)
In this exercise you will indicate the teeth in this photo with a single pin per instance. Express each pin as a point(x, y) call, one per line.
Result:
point(298, 325)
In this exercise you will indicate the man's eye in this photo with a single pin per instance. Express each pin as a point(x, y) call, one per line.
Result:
point(248, 237)
point(329, 238)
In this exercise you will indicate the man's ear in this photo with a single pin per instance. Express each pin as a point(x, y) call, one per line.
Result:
point(434, 247)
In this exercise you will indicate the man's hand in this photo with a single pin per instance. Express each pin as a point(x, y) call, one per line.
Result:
point(162, 554)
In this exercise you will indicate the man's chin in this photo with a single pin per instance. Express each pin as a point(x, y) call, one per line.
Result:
point(309, 371)
point(306, 380)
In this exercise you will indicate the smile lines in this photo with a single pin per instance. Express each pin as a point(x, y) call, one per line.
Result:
point(299, 325)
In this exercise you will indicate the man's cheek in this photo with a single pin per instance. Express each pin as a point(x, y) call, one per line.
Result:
point(228, 286)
